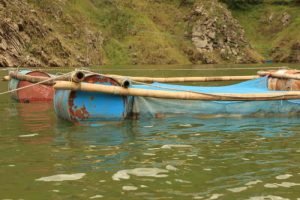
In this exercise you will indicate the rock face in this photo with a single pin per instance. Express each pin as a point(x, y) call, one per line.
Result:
point(279, 54)
point(218, 36)
point(26, 40)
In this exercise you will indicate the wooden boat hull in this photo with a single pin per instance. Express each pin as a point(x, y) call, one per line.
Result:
point(32, 92)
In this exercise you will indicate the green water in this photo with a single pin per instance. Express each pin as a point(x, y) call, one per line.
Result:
point(216, 158)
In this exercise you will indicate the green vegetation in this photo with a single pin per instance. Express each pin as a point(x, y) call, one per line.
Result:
point(138, 31)
point(271, 27)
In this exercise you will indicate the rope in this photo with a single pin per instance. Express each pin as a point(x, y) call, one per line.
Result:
point(28, 86)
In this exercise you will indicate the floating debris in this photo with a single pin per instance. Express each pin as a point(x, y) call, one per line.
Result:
point(238, 189)
point(216, 196)
point(246, 159)
point(182, 181)
point(28, 135)
point(284, 176)
point(283, 184)
point(62, 177)
point(146, 172)
point(170, 146)
point(129, 188)
point(149, 154)
point(253, 182)
point(185, 125)
point(269, 197)
point(171, 168)
point(98, 196)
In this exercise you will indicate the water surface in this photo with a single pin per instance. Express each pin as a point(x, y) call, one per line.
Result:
point(167, 158)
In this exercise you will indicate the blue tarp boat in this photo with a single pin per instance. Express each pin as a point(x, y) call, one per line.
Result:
point(75, 105)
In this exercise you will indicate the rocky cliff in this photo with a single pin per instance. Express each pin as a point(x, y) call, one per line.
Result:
point(56, 33)
point(273, 29)
point(218, 36)
point(30, 37)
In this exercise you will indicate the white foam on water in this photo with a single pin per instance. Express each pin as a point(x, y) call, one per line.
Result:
point(237, 189)
point(271, 185)
point(185, 125)
point(253, 182)
point(284, 176)
point(269, 197)
point(288, 184)
point(170, 146)
point(143, 186)
point(201, 157)
point(98, 196)
point(62, 177)
point(56, 191)
point(182, 181)
point(149, 154)
point(11, 165)
point(207, 169)
point(171, 168)
point(198, 197)
point(246, 159)
point(143, 172)
point(192, 155)
point(152, 149)
point(169, 182)
point(216, 196)
point(148, 126)
point(28, 135)
point(129, 188)
point(102, 181)
point(283, 184)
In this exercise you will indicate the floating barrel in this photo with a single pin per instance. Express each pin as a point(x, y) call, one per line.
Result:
point(34, 93)
point(284, 83)
point(91, 106)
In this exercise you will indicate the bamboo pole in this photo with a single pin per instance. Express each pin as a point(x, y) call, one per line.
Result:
point(32, 79)
point(279, 75)
point(116, 90)
point(185, 79)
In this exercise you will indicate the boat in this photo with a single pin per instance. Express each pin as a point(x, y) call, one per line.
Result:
point(99, 97)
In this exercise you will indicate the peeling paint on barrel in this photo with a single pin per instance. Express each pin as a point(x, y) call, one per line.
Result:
point(90, 106)
point(35, 93)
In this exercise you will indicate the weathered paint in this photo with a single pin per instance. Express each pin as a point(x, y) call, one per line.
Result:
point(284, 83)
point(90, 106)
point(35, 93)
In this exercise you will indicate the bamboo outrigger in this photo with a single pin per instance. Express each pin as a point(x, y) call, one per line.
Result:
point(82, 95)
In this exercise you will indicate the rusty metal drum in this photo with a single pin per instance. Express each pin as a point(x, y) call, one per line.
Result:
point(32, 92)
point(283, 83)
point(78, 106)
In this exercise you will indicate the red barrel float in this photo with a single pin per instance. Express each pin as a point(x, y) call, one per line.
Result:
point(32, 92)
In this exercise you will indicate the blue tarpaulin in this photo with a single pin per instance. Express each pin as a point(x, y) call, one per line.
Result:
point(151, 107)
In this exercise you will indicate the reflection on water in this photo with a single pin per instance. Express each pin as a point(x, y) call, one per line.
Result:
point(178, 157)
point(35, 116)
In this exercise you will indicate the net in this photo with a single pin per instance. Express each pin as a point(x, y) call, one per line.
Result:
point(154, 107)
